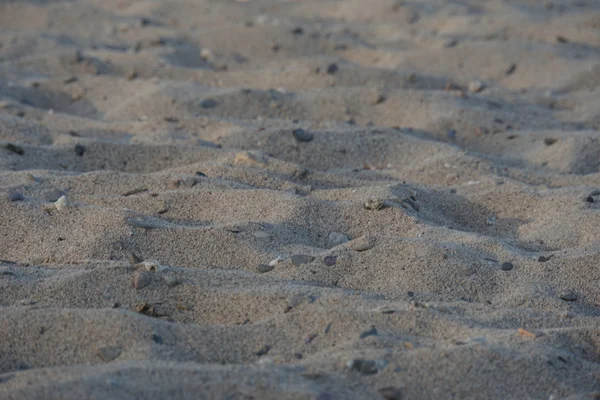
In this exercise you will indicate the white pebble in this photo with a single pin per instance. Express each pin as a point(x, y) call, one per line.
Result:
point(61, 203)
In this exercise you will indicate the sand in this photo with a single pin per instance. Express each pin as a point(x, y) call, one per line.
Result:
point(319, 199)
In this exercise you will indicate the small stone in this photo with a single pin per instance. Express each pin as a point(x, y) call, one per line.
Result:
point(475, 86)
point(491, 221)
point(141, 279)
point(171, 280)
point(250, 159)
point(299, 259)
point(301, 135)
point(370, 332)
point(134, 191)
point(134, 259)
point(330, 261)
point(189, 182)
point(373, 204)
point(14, 148)
point(298, 31)
point(511, 68)
point(337, 238)
point(208, 103)
point(263, 350)
point(363, 243)
point(54, 195)
point(109, 353)
point(132, 75)
point(332, 69)
point(262, 235)
point(568, 296)
point(262, 268)
point(79, 149)
point(156, 339)
point(506, 266)
point(61, 203)
point(545, 258)
point(591, 198)
point(390, 393)
point(365, 367)
point(153, 266)
point(16, 196)
point(550, 141)
point(451, 134)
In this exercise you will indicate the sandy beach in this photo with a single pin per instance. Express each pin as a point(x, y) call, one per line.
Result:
point(299, 199)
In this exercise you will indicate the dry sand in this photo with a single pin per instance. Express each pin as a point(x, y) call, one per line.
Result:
point(454, 143)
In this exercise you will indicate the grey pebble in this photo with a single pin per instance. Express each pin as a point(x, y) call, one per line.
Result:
point(208, 103)
point(506, 266)
point(54, 195)
point(109, 353)
point(332, 69)
point(79, 149)
point(336, 238)
point(134, 259)
point(263, 350)
point(370, 332)
point(363, 243)
point(262, 268)
point(141, 279)
point(568, 296)
point(302, 136)
point(390, 393)
point(137, 223)
point(171, 280)
point(373, 204)
point(262, 235)
point(16, 196)
point(188, 182)
point(365, 367)
point(14, 148)
point(299, 259)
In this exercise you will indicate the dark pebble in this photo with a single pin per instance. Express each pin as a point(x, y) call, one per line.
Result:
point(512, 68)
point(410, 294)
point(370, 332)
point(506, 266)
point(79, 149)
point(198, 173)
point(568, 296)
point(330, 260)
point(262, 268)
point(390, 393)
point(550, 141)
point(298, 31)
point(366, 367)
point(208, 103)
point(16, 196)
point(157, 339)
point(14, 148)
point(302, 136)
point(263, 350)
point(54, 195)
point(451, 134)
point(544, 258)
point(591, 197)
point(299, 259)
point(332, 69)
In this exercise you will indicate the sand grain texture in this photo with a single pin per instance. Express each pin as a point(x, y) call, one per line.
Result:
point(317, 199)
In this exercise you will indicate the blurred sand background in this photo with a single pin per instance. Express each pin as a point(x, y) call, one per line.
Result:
point(318, 199)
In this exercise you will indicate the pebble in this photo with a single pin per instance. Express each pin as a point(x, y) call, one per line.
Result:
point(506, 266)
point(262, 235)
point(451, 134)
point(54, 195)
point(373, 203)
point(330, 261)
point(332, 69)
point(171, 280)
point(134, 259)
point(370, 332)
point(591, 197)
point(61, 203)
point(390, 393)
point(568, 295)
point(134, 191)
point(365, 367)
point(299, 259)
point(14, 148)
point(250, 159)
point(79, 149)
point(302, 136)
point(141, 279)
point(16, 196)
point(476, 86)
point(263, 350)
point(262, 268)
point(363, 243)
point(109, 353)
point(188, 182)
point(153, 266)
point(276, 261)
point(208, 103)
point(545, 258)
point(157, 339)
point(337, 238)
